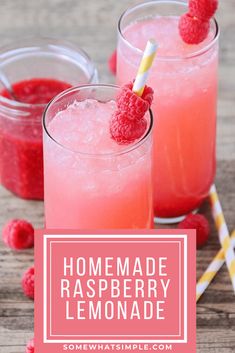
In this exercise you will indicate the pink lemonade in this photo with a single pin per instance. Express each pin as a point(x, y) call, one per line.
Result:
point(90, 181)
point(184, 78)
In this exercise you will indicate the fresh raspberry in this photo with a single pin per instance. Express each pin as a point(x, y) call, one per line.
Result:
point(112, 62)
point(28, 283)
point(200, 223)
point(125, 131)
point(18, 234)
point(203, 9)
point(132, 105)
point(192, 29)
point(30, 346)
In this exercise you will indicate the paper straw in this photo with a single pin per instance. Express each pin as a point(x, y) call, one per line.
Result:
point(212, 270)
point(144, 68)
point(224, 237)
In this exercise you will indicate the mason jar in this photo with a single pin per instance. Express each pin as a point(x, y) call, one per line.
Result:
point(37, 69)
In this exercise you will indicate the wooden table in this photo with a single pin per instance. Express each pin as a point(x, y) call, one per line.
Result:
point(92, 25)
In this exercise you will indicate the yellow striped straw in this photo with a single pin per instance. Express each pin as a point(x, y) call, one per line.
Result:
point(212, 270)
point(144, 68)
point(224, 237)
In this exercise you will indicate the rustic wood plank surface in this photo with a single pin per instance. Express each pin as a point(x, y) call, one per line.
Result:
point(92, 24)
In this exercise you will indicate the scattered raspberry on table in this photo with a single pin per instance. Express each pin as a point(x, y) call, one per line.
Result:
point(28, 282)
point(200, 223)
point(18, 234)
point(30, 346)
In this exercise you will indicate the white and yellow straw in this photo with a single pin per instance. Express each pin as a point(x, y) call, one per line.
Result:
point(224, 237)
point(144, 68)
point(212, 270)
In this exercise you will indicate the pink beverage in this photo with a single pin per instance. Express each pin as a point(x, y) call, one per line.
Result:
point(91, 182)
point(184, 78)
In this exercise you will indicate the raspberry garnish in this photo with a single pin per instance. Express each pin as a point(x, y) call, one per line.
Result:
point(195, 25)
point(200, 223)
point(132, 105)
point(112, 62)
point(124, 130)
point(128, 123)
point(203, 9)
point(192, 29)
point(30, 346)
point(18, 234)
point(28, 283)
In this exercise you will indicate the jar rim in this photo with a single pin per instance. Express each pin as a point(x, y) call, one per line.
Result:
point(159, 57)
point(32, 44)
point(133, 146)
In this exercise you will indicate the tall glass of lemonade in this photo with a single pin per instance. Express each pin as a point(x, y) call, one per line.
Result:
point(91, 182)
point(184, 78)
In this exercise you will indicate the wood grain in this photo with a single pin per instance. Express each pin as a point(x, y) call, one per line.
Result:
point(92, 25)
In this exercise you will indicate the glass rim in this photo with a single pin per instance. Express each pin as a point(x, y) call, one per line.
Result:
point(133, 146)
point(12, 104)
point(162, 57)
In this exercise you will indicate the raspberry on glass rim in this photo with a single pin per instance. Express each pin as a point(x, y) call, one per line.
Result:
point(203, 9)
point(193, 30)
point(194, 26)
point(128, 123)
point(132, 104)
point(124, 130)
